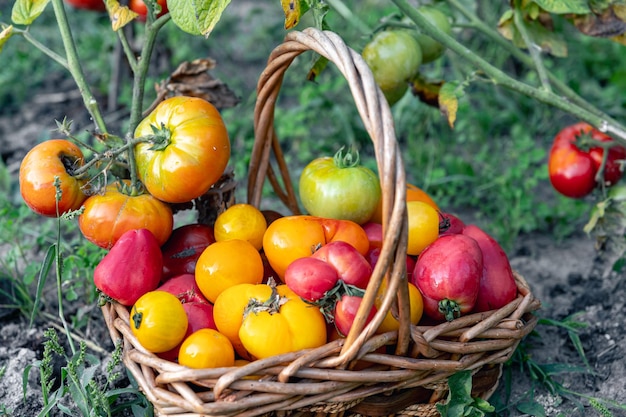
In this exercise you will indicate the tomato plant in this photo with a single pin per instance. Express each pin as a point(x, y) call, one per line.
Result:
point(339, 188)
point(183, 248)
point(159, 321)
point(447, 274)
point(45, 161)
point(131, 268)
point(188, 139)
point(139, 7)
point(109, 215)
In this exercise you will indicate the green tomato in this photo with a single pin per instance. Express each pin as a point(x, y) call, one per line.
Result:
point(394, 56)
point(339, 188)
point(431, 49)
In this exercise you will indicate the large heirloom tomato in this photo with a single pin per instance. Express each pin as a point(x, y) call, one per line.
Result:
point(189, 151)
point(49, 159)
point(339, 188)
point(107, 216)
point(159, 321)
point(292, 237)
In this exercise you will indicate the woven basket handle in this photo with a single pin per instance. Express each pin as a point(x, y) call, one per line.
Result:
point(378, 121)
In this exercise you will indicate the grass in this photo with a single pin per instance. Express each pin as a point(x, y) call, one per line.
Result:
point(492, 162)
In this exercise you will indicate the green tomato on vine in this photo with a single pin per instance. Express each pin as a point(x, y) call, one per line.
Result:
point(431, 49)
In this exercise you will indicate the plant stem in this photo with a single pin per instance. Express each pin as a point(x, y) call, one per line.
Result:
point(43, 48)
point(74, 66)
point(597, 119)
point(350, 17)
point(532, 47)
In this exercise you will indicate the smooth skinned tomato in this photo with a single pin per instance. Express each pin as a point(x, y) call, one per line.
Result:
point(310, 277)
point(159, 321)
point(109, 215)
point(199, 316)
point(416, 306)
point(450, 224)
point(345, 312)
point(206, 348)
point(131, 268)
point(423, 226)
point(291, 237)
point(447, 273)
point(431, 49)
point(185, 288)
point(139, 7)
point(613, 170)
point(227, 263)
point(394, 56)
point(184, 247)
point(95, 5)
point(241, 221)
point(56, 157)
point(339, 188)
point(187, 155)
point(413, 193)
point(352, 267)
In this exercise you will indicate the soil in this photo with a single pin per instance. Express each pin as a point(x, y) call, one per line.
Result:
point(569, 277)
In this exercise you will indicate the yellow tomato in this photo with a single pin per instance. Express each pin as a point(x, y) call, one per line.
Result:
point(390, 323)
point(423, 226)
point(227, 263)
point(206, 348)
point(413, 193)
point(241, 221)
point(159, 321)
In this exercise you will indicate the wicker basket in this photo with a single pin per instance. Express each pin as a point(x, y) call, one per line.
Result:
point(407, 380)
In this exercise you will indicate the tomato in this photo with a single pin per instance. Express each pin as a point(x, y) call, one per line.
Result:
point(394, 56)
point(281, 323)
point(185, 288)
point(339, 188)
point(416, 307)
point(613, 170)
point(45, 161)
point(189, 152)
point(413, 193)
point(352, 267)
point(206, 348)
point(227, 263)
point(447, 274)
point(241, 221)
point(95, 5)
point(139, 7)
point(256, 333)
point(373, 255)
point(431, 49)
point(310, 278)
point(184, 247)
point(199, 316)
point(131, 268)
point(423, 226)
point(108, 215)
point(158, 321)
point(345, 312)
point(497, 283)
point(291, 237)
point(450, 224)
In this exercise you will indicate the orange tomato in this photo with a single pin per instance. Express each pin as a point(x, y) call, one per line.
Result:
point(227, 263)
point(293, 237)
point(413, 193)
point(206, 348)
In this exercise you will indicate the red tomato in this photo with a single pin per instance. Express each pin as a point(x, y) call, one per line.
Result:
point(345, 313)
point(131, 268)
point(107, 216)
point(185, 288)
point(613, 169)
point(139, 7)
point(352, 267)
point(373, 255)
point(95, 5)
point(56, 157)
point(187, 155)
point(184, 247)
point(447, 274)
point(497, 283)
point(310, 278)
point(450, 224)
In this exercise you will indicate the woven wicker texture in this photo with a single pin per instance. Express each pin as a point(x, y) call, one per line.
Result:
point(411, 377)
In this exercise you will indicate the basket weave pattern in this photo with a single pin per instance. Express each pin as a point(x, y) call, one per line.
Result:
point(410, 375)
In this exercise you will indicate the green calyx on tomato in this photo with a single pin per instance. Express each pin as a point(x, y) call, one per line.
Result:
point(339, 188)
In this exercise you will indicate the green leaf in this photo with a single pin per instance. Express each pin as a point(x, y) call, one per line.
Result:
point(533, 408)
point(43, 274)
point(564, 6)
point(5, 35)
point(197, 17)
point(26, 11)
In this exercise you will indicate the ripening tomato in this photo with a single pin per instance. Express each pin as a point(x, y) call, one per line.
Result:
point(310, 278)
point(184, 247)
point(187, 154)
point(227, 263)
point(352, 267)
point(291, 237)
point(613, 170)
point(431, 49)
point(345, 313)
point(423, 226)
point(139, 7)
point(95, 5)
point(159, 321)
point(339, 188)
point(413, 193)
point(45, 161)
point(206, 348)
point(416, 307)
point(241, 221)
point(108, 215)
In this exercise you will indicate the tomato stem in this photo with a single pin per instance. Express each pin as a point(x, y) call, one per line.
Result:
point(450, 309)
point(137, 318)
point(348, 160)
